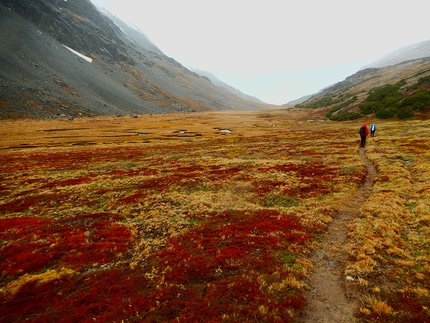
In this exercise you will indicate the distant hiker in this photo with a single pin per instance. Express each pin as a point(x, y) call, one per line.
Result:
point(372, 129)
point(364, 131)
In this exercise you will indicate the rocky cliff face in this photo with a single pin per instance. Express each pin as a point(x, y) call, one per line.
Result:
point(41, 78)
point(73, 23)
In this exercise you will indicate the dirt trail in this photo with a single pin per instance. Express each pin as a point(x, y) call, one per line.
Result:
point(330, 298)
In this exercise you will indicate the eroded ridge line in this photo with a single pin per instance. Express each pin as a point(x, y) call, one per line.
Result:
point(328, 299)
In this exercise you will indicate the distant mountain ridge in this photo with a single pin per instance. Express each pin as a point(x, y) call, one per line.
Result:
point(210, 76)
point(126, 73)
point(406, 53)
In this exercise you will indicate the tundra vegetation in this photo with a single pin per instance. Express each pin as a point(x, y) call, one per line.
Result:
point(168, 218)
point(403, 99)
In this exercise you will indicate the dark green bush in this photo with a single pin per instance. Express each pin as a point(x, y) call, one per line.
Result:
point(401, 83)
point(387, 113)
point(323, 102)
point(370, 107)
point(418, 100)
point(424, 80)
point(340, 106)
point(383, 100)
point(405, 113)
point(345, 115)
point(387, 94)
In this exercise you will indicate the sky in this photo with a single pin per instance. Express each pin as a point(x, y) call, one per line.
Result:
point(277, 50)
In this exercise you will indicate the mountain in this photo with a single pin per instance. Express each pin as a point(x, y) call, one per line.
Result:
point(302, 99)
point(66, 58)
point(415, 51)
point(210, 76)
point(397, 85)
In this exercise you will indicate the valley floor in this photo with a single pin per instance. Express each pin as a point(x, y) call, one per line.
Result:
point(214, 217)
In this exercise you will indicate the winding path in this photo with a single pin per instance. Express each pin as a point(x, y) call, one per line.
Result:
point(329, 299)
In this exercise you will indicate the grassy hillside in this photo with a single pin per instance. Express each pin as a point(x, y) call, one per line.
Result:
point(401, 91)
point(208, 217)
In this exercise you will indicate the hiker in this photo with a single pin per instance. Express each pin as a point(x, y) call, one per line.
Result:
point(364, 131)
point(372, 129)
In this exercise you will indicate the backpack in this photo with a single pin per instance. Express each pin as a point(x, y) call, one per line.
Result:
point(362, 131)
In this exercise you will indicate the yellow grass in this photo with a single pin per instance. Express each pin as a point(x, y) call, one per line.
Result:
point(391, 237)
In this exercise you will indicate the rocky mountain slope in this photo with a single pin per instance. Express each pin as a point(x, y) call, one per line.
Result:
point(118, 70)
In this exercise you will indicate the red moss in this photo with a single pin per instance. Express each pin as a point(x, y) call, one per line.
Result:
point(190, 169)
point(14, 228)
point(408, 307)
point(218, 173)
point(153, 184)
point(23, 193)
point(68, 182)
point(75, 242)
point(284, 168)
point(309, 152)
point(24, 203)
point(212, 260)
point(314, 188)
point(70, 159)
point(266, 186)
point(187, 180)
point(105, 296)
point(132, 172)
point(315, 179)
point(311, 169)
point(382, 178)
point(133, 198)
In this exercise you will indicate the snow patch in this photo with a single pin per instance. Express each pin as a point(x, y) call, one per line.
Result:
point(88, 59)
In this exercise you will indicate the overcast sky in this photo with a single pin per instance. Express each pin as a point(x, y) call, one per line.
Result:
point(277, 50)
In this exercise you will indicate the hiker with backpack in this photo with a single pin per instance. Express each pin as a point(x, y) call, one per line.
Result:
point(364, 131)
point(372, 129)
